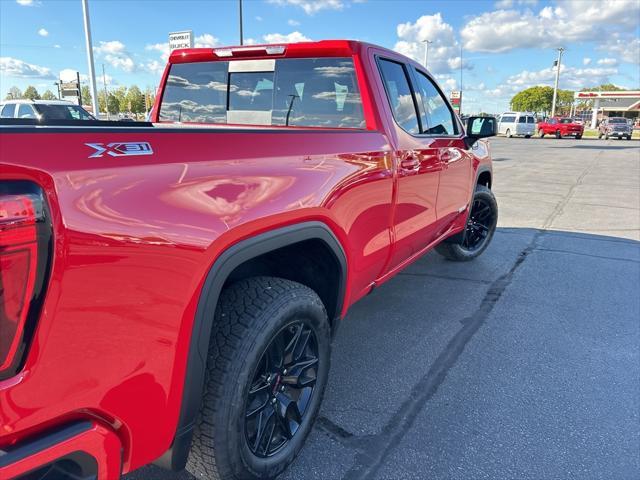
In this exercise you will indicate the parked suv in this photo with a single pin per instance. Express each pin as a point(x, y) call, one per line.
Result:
point(169, 290)
point(615, 127)
point(517, 124)
point(43, 110)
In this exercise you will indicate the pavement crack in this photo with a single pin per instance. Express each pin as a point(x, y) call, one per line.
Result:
point(374, 450)
point(444, 277)
point(604, 257)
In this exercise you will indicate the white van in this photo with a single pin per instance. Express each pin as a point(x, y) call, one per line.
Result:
point(517, 123)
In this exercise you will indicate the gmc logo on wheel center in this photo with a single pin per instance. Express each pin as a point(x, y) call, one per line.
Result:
point(120, 149)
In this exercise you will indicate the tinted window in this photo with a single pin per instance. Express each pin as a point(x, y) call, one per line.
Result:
point(522, 119)
point(25, 111)
point(320, 92)
point(437, 119)
point(399, 93)
point(63, 112)
point(7, 110)
point(566, 120)
point(317, 92)
point(617, 120)
point(195, 92)
point(531, 120)
point(508, 119)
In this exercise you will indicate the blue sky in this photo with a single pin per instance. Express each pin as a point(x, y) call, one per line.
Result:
point(507, 45)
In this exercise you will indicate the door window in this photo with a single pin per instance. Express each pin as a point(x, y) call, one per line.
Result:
point(25, 111)
point(437, 118)
point(396, 83)
point(7, 110)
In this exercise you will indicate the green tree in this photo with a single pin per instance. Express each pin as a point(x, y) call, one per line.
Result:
point(86, 95)
point(31, 93)
point(113, 104)
point(135, 100)
point(48, 95)
point(539, 99)
point(605, 87)
point(14, 93)
point(121, 95)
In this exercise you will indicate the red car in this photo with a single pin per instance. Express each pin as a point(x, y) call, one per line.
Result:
point(169, 290)
point(560, 127)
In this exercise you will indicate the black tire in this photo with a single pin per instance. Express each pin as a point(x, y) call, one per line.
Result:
point(628, 137)
point(454, 248)
point(508, 133)
point(599, 135)
point(527, 136)
point(606, 136)
point(558, 134)
point(251, 315)
point(578, 137)
point(541, 133)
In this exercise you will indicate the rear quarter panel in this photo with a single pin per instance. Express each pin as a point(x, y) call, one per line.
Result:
point(134, 239)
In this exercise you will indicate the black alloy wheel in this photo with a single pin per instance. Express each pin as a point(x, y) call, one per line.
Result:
point(281, 389)
point(480, 223)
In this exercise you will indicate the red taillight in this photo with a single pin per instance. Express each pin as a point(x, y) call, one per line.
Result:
point(21, 265)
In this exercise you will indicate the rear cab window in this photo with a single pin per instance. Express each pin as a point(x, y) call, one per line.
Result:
point(306, 92)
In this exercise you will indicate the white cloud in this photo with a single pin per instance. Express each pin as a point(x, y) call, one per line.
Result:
point(163, 48)
point(571, 78)
point(43, 32)
point(15, 68)
point(292, 37)
point(570, 21)
point(259, 18)
point(27, 3)
point(115, 53)
point(70, 75)
point(293, 23)
point(609, 62)
point(206, 40)
point(625, 49)
point(586, 61)
point(444, 51)
point(154, 66)
point(311, 6)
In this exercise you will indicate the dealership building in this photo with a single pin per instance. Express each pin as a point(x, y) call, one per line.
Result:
point(612, 104)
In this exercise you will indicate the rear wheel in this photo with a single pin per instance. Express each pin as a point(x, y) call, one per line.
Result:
point(527, 136)
point(558, 134)
point(578, 137)
point(628, 137)
point(267, 369)
point(606, 136)
point(541, 133)
point(508, 134)
point(599, 135)
point(477, 235)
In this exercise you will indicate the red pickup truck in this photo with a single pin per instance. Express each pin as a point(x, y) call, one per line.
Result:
point(560, 127)
point(169, 290)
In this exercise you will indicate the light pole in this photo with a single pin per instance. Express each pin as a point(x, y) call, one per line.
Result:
point(555, 88)
point(426, 52)
point(240, 8)
point(92, 72)
point(104, 84)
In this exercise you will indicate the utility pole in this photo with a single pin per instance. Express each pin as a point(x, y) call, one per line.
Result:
point(426, 52)
point(92, 72)
point(104, 83)
point(240, 7)
point(555, 88)
point(460, 107)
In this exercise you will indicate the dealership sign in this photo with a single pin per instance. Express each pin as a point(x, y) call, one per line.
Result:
point(455, 98)
point(180, 40)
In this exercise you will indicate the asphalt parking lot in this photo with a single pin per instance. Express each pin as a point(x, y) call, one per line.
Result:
point(522, 364)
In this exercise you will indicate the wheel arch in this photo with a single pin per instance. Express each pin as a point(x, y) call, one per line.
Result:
point(484, 177)
point(225, 269)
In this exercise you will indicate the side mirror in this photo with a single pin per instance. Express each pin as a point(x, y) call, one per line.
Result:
point(480, 127)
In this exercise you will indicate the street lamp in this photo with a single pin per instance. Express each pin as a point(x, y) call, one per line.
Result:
point(426, 52)
point(555, 88)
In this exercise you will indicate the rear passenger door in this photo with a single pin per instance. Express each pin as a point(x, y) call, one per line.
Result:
point(417, 163)
point(441, 129)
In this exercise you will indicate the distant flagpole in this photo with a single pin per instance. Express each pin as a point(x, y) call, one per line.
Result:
point(92, 72)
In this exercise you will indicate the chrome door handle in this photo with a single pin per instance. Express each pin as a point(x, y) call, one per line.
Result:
point(410, 163)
